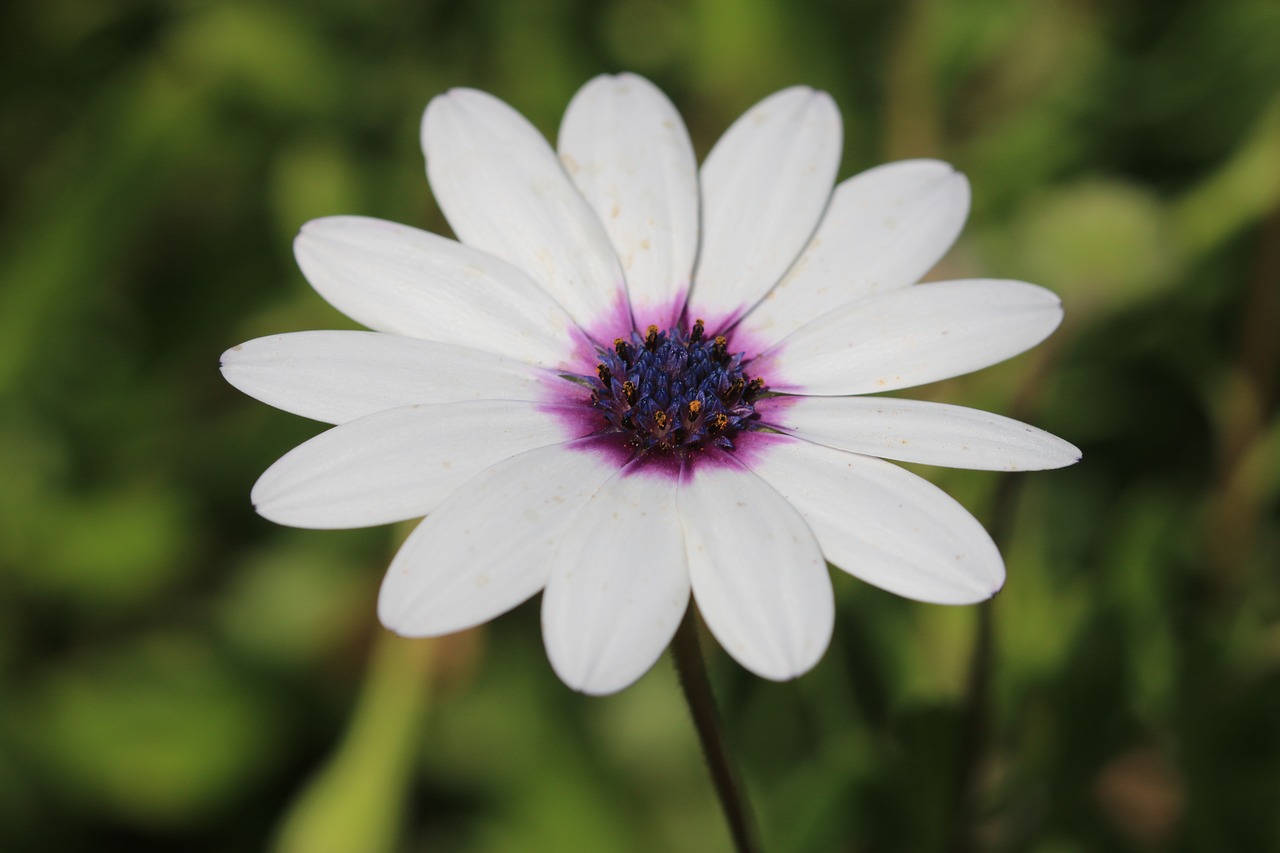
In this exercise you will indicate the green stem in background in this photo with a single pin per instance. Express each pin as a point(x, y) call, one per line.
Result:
point(697, 693)
point(355, 802)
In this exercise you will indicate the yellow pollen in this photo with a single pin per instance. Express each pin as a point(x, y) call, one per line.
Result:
point(695, 406)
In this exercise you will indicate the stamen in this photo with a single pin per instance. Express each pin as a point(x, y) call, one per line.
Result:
point(674, 392)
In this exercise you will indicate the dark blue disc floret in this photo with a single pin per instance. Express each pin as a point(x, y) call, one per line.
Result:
point(674, 392)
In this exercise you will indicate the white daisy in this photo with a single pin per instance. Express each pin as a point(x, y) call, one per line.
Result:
point(633, 380)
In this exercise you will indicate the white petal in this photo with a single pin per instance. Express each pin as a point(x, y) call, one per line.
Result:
point(912, 336)
point(398, 279)
point(401, 463)
point(503, 190)
point(490, 545)
point(764, 186)
point(884, 524)
point(757, 572)
point(627, 150)
point(340, 376)
point(884, 229)
point(917, 431)
point(620, 585)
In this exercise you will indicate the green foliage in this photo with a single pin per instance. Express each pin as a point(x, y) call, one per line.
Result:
point(177, 674)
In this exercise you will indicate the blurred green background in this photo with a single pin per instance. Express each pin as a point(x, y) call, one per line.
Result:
point(178, 674)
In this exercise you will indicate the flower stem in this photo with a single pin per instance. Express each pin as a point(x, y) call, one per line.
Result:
point(973, 734)
point(697, 693)
point(975, 725)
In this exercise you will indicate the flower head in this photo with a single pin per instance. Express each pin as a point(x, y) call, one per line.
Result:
point(631, 380)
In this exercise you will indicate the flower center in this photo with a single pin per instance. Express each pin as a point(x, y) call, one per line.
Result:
point(674, 392)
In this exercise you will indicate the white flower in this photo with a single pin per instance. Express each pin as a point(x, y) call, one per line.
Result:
point(540, 391)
